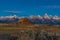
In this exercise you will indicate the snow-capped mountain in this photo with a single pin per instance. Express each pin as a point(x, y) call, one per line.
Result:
point(46, 16)
point(8, 19)
point(46, 19)
point(55, 17)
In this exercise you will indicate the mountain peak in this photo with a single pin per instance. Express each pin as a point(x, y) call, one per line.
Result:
point(46, 16)
point(56, 17)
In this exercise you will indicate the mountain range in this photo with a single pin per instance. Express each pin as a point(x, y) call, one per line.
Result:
point(46, 19)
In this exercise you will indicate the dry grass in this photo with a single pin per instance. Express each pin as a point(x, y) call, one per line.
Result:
point(47, 28)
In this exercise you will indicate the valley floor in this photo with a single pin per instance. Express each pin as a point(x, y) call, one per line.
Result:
point(29, 32)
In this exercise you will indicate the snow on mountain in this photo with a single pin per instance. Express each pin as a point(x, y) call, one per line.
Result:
point(55, 17)
point(46, 19)
point(8, 19)
point(46, 16)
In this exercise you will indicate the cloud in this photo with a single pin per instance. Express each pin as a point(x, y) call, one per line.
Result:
point(52, 6)
point(13, 11)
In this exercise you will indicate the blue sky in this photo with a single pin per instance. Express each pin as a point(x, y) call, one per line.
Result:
point(30, 7)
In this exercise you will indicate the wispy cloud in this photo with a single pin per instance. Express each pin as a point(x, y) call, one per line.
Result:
point(52, 6)
point(13, 11)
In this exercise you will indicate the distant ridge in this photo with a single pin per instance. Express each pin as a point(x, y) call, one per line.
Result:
point(46, 19)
